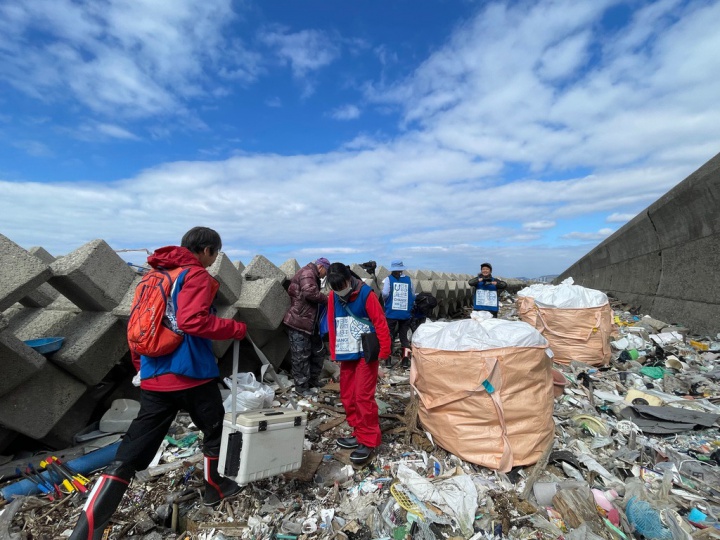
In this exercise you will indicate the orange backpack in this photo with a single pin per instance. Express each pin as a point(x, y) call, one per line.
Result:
point(152, 328)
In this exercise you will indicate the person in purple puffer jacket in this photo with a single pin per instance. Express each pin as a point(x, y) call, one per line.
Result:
point(301, 320)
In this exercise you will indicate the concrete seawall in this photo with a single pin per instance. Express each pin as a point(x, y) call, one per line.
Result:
point(666, 261)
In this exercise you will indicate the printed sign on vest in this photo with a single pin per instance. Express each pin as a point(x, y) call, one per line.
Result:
point(400, 296)
point(486, 298)
point(347, 335)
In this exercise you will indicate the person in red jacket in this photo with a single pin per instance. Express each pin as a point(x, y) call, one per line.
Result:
point(182, 379)
point(354, 309)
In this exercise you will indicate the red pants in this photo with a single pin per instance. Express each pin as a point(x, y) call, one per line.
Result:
point(358, 381)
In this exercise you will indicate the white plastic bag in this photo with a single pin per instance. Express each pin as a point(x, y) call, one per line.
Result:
point(479, 333)
point(245, 381)
point(454, 495)
point(565, 295)
point(251, 394)
point(245, 401)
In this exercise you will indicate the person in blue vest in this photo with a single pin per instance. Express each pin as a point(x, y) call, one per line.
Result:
point(487, 289)
point(354, 310)
point(399, 297)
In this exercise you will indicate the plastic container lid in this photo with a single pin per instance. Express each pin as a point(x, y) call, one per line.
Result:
point(45, 345)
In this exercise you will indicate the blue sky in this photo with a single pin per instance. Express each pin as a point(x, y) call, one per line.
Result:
point(445, 133)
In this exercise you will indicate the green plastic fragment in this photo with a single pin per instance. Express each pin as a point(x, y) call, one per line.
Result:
point(653, 372)
point(186, 441)
point(614, 529)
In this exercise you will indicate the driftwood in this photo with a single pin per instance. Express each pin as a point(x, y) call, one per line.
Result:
point(411, 418)
point(537, 470)
point(325, 426)
point(577, 505)
point(6, 519)
point(330, 409)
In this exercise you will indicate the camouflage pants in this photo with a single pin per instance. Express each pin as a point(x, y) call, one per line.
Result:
point(307, 353)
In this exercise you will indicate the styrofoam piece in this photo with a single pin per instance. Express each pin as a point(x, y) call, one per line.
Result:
point(119, 416)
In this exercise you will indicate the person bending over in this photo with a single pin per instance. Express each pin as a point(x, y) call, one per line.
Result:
point(353, 310)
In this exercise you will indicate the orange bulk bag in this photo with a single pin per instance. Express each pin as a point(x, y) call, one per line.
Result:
point(576, 321)
point(492, 403)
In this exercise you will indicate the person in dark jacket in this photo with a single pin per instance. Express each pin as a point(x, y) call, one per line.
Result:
point(301, 319)
point(485, 295)
point(353, 309)
point(183, 379)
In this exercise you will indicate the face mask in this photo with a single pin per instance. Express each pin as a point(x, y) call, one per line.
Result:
point(345, 292)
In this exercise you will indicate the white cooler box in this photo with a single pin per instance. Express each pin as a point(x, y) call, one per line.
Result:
point(261, 443)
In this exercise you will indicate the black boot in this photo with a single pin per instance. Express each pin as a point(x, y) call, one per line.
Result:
point(361, 455)
point(217, 487)
point(407, 353)
point(103, 501)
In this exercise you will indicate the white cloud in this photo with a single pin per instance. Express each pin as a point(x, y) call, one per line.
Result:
point(346, 112)
point(115, 131)
point(325, 251)
point(563, 59)
point(617, 217)
point(512, 86)
point(273, 102)
point(131, 59)
point(33, 148)
point(599, 235)
point(385, 55)
point(305, 51)
point(523, 237)
point(272, 204)
point(538, 225)
point(491, 90)
point(450, 235)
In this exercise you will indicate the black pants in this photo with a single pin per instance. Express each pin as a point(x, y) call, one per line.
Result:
point(402, 326)
point(307, 354)
point(157, 412)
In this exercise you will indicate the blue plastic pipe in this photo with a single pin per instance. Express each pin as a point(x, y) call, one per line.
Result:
point(84, 465)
